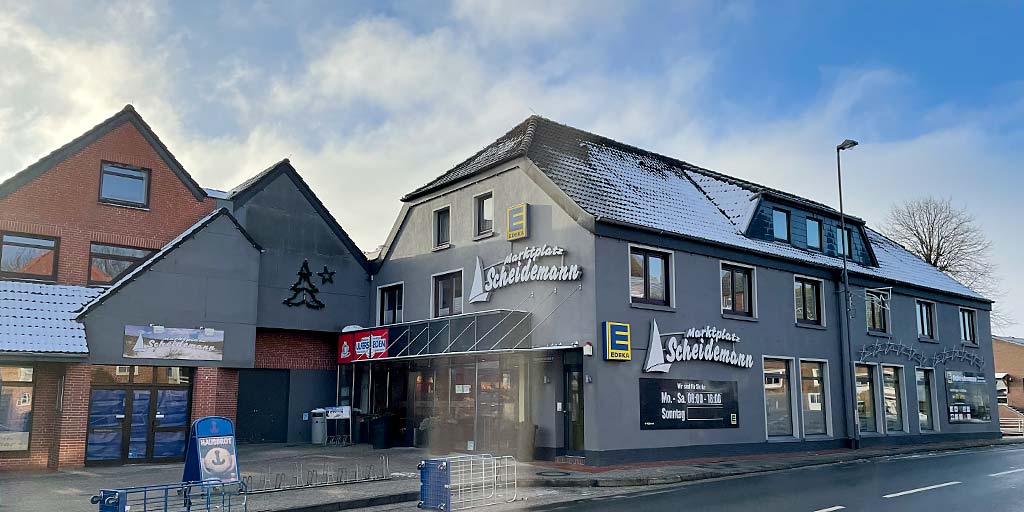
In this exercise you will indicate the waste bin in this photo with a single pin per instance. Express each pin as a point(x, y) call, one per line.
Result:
point(318, 426)
point(380, 428)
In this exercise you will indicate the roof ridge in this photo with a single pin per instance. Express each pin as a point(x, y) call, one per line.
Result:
point(77, 144)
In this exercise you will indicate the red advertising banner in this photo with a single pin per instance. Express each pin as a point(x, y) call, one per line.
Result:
point(346, 348)
point(370, 344)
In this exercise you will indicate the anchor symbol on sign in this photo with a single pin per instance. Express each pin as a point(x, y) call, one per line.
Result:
point(217, 460)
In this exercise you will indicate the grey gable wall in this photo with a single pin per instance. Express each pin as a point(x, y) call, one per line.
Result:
point(210, 280)
point(290, 230)
point(410, 260)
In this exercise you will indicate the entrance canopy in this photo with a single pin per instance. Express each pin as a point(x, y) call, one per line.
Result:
point(500, 330)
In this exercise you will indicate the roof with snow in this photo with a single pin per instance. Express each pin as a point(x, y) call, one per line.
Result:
point(622, 184)
point(40, 318)
point(1010, 339)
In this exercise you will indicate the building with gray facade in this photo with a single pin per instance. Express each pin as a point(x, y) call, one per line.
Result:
point(619, 305)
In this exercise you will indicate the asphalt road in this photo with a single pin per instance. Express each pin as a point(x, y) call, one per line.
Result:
point(988, 480)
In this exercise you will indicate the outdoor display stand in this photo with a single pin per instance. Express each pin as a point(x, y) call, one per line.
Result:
point(339, 428)
point(211, 454)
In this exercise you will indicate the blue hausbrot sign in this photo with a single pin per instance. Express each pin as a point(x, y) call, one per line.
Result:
point(211, 455)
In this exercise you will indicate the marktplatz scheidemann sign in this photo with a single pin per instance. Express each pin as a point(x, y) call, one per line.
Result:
point(696, 344)
point(520, 267)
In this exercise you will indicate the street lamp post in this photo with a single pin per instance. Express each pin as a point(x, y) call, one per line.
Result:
point(853, 423)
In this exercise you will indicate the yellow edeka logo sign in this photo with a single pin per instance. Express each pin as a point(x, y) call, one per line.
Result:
point(517, 222)
point(616, 342)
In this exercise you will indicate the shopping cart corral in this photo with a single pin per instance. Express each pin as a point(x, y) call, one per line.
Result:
point(467, 481)
point(179, 497)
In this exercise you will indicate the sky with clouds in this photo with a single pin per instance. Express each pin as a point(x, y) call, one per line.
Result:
point(371, 100)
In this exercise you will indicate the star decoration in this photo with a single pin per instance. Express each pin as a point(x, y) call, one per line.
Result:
point(327, 276)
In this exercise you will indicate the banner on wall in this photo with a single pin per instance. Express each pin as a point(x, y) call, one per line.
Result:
point(158, 342)
point(684, 404)
point(362, 345)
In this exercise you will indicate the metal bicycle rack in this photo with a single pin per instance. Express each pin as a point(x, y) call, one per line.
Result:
point(467, 481)
point(310, 474)
point(179, 497)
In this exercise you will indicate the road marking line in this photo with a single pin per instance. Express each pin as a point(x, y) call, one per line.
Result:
point(920, 489)
point(830, 509)
point(1001, 473)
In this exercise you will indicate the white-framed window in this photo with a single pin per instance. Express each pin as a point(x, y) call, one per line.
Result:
point(779, 398)
point(390, 302)
point(968, 326)
point(926, 399)
point(808, 302)
point(446, 294)
point(893, 399)
point(926, 320)
point(815, 399)
point(739, 289)
point(650, 275)
point(814, 234)
point(843, 245)
point(877, 314)
point(442, 226)
point(780, 224)
point(483, 207)
point(867, 413)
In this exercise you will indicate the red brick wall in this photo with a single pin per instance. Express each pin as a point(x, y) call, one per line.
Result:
point(296, 350)
point(45, 422)
point(215, 393)
point(74, 418)
point(63, 202)
point(1009, 358)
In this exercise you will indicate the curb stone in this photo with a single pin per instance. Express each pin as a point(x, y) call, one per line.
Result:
point(369, 501)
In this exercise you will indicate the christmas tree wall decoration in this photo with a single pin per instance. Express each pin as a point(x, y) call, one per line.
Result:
point(304, 291)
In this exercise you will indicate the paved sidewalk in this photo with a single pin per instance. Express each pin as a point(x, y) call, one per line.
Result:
point(70, 490)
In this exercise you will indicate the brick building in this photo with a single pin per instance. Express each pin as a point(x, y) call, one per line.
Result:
point(132, 300)
point(1008, 353)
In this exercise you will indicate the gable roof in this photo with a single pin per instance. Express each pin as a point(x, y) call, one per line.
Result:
point(621, 184)
point(125, 115)
point(1010, 339)
point(252, 186)
point(40, 318)
point(159, 255)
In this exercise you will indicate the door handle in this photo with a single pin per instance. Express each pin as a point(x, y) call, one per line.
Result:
point(159, 415)
point(119, 416)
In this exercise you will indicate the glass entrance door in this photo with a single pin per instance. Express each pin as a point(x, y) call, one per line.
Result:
point(574, 409)
point(137, 414)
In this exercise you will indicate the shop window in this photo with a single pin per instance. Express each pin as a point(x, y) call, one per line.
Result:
point(484, 214)
point(968, 397)
point(807, 296)
point(865, 376)
point(813, 390)
point(649, 278)
point(16, 392)
point(925, 411)
point(892, 394)
point(780, 225)
point(843, 247)
point(448, 294)
point(814, 234)
point(925, 320)
point(390, 305)
point(877, 314)
point(442, 227)
point(778, 398)
point(737, 290)
point(968, 326)
point(29, 256)
point(124, 185)
point(108, 263)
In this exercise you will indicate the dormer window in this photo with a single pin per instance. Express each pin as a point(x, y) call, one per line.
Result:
point(780, 225)
point(843, 242)
point(124, 185)
point(814, 234)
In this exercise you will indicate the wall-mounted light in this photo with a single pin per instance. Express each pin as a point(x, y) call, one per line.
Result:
point(547, 380)
point(588, 349)
point(589, 379)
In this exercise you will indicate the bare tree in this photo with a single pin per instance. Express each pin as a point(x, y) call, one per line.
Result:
point(949, 239)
